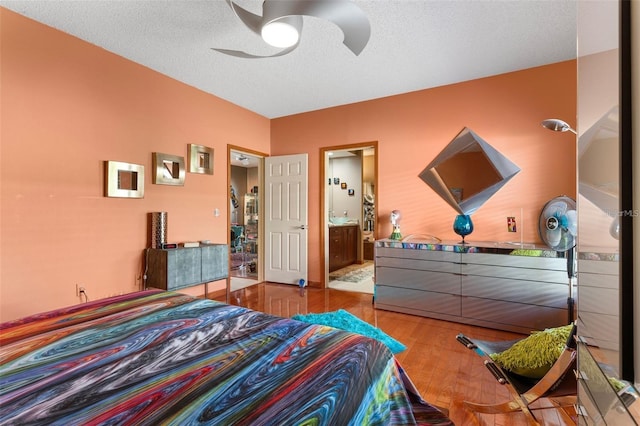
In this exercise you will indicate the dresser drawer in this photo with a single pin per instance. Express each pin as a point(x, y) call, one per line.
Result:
point(512, 290)
point(418, 280)
point(424, 301)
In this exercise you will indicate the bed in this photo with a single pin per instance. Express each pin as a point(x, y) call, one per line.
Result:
point(156, 357)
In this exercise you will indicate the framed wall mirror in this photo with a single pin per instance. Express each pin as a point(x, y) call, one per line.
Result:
point(168, 169)
point(467, 172)
point(200, 159)
point(123, 180)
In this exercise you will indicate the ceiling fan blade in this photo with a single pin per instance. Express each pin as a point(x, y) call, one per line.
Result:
point(343, 13)
point(251, 20)
point(241, 54)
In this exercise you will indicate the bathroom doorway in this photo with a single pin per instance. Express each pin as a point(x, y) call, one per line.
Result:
point(245, 218)
point(348, 212)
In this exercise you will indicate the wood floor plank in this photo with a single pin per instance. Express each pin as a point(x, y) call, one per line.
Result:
point(444, 371)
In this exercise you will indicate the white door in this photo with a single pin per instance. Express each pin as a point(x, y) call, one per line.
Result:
point(285, 219)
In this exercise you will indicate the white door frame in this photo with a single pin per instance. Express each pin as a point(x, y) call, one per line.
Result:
point(260, 156)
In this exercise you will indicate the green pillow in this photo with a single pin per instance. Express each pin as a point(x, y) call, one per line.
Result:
point(535, 355)
point(617, 384)
point(533, 253)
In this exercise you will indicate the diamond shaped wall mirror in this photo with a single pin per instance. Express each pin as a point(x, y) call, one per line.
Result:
point(467, 172)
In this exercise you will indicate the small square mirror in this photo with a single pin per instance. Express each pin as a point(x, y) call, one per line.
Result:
point(200, 159)
point(168, 169)
point(123, 180)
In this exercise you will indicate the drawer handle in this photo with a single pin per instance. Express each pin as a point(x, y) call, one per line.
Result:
point(580, 410)
point(581, 376)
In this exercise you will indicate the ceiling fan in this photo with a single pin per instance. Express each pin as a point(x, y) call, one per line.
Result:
point(281, 23)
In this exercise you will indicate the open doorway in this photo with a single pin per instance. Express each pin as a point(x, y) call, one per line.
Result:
point(349, 188)
point(245, 224)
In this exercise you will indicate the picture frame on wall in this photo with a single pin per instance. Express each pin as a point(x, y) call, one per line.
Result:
point(200, 159)
point(336, 181)
point(168, 169)
point(123, 180)
point(351, 193)
point(343, 185)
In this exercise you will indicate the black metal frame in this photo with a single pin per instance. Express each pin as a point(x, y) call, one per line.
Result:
point(627, 213)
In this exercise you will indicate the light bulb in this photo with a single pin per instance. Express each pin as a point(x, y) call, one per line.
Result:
point(280, 34)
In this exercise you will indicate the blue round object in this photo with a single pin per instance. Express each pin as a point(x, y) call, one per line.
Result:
point(463, 225)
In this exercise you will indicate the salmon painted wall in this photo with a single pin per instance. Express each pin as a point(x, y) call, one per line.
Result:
point(66, 107)
point(411, 129)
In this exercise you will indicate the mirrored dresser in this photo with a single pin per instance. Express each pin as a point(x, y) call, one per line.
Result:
point(501, 286)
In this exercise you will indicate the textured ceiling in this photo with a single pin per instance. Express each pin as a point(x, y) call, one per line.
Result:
point(414, 45)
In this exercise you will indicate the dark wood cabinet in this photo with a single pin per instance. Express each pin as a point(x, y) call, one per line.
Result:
point(343, 246)
point(367, 248)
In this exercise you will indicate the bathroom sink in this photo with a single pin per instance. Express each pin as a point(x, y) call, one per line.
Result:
point(341, 220)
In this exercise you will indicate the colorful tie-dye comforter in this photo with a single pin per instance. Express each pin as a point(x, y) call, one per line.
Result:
point(165, 358)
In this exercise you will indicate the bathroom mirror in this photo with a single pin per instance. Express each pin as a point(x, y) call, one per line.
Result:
point(467, 172)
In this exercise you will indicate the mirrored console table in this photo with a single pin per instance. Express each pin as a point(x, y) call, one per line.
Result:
point(504, 286)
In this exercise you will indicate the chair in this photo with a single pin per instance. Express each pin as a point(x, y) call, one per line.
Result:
point(558, 386)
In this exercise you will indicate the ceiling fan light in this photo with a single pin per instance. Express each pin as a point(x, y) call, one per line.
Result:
point(280, 34)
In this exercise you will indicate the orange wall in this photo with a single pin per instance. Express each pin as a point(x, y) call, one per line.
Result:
point(66, 107)
point(411, 129)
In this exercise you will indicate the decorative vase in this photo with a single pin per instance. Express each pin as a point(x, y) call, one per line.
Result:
point(395, 221)
point(463, 225)
point(396, 235)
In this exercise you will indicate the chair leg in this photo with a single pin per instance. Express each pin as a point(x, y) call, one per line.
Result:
point(502, 408)
point(564, 406)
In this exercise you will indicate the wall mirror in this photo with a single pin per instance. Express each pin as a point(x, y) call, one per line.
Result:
point(168, 169)
point(200, 159)
point(123, 180)
point(467, 172)
point(607, 319)
point(598, 247)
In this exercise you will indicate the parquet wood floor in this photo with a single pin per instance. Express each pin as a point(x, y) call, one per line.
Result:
point(445, 372)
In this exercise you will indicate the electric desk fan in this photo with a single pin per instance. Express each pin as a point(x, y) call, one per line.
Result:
point(558, 228)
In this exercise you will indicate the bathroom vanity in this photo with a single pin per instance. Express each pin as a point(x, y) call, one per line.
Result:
point(500, 286)
point(343, 246)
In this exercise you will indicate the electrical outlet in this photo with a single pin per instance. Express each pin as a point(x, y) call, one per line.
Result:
point(79, 289)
